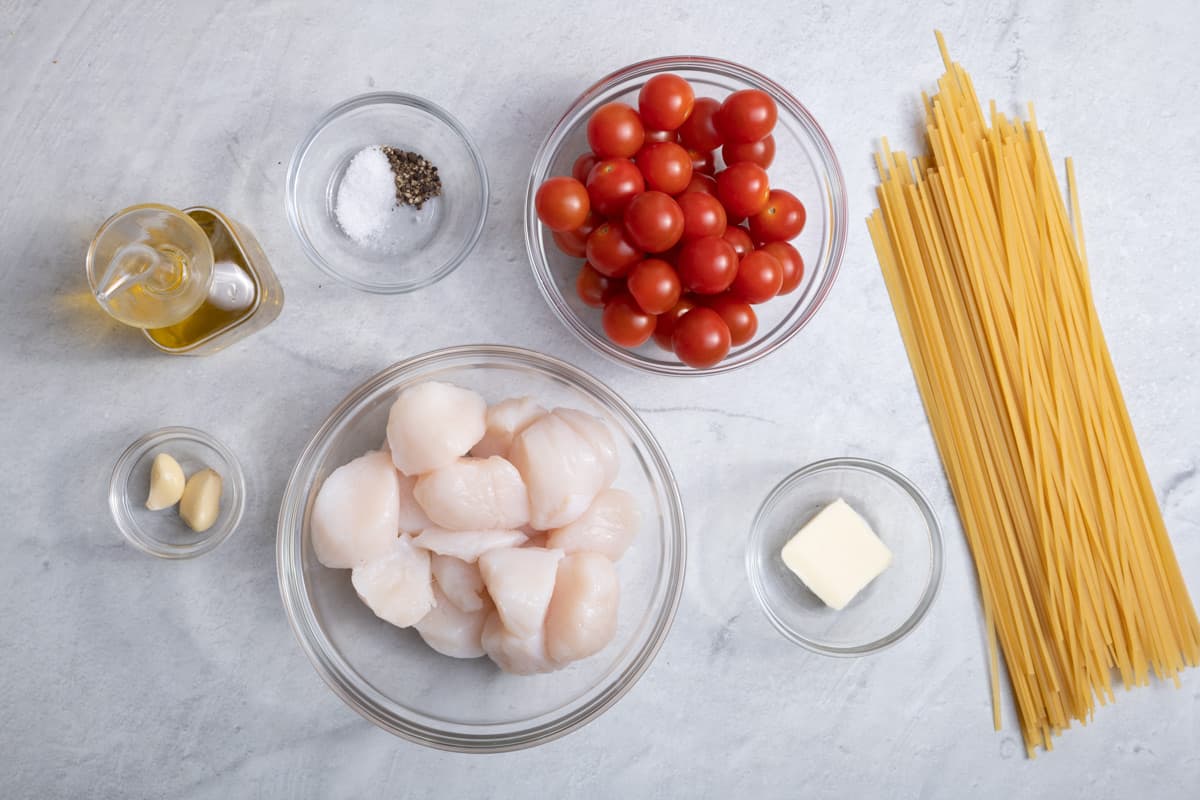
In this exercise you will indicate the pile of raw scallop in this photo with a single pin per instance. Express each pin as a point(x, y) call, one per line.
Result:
point(491, 530)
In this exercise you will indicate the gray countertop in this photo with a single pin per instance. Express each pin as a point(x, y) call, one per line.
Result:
point(123, 675)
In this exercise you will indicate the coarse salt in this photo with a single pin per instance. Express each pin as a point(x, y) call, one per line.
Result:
point(366, 197)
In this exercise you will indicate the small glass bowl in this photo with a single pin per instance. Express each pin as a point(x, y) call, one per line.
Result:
point(163, 533)
point(389, 675)
point(889, 607)
point(804, 164)
point(423, 246)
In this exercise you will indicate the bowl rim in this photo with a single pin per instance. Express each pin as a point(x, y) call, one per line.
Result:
point(834, 198)
point(364, 698)
point(119, 500)
point(932, 528)
point(384, 98)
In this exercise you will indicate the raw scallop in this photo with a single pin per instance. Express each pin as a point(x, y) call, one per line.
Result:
point(562, 471)
point(520, 582)
point(474, 494)
point(466, 545)
point(607, 527)
point(355, 515)
point(432, 424)
point(396, 585)
point(412, 517)
point(460, 581)
point(598, 435)
point(452, 631)
point(582, 617)
point(515, 654)
point(504, 421)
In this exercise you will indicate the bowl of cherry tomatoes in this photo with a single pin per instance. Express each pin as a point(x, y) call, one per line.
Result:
point(686, 216)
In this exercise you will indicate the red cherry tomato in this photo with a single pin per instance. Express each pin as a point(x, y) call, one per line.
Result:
point(615, 131)
point(701, 338)
point(761, 152)
point(743, 189)
point(654, 222)
point(791, 262)
point(746, 116)
point(665, 102)
point(702, 161)
point(664, 327)
point(707, 265)
point(574, 243)
point(660, 136)
point(781, 219)
point(666, 166)
point(562, 204)
point(759, 277)
point(699, 132)
point(740, 239)
point(625, 323)
point(705, 184)
point(612, 183)
point(593, 288)
point(610, 251)
point(583, 166)
point(654, 285)
point(703, 215)
point(739, 317)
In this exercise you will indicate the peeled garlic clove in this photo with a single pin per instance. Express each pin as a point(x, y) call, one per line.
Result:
point(201, 501)
point(166, 483)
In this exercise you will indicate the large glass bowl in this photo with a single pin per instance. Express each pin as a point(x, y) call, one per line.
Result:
point(389, 675)
point(804, 164)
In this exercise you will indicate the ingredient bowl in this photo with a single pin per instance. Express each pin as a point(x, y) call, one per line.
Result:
point(889, 607)
point(418, 247)
point(163, 533)
point(804, 164)
point(387, 674)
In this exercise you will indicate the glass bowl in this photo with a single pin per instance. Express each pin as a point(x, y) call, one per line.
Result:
point(163, 533)
point(419, 247)
point(804, 164)
point(389, 675)
point(889, 607)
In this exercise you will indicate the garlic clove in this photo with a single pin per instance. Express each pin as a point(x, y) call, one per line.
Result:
point(201, 502)
point(166, 483)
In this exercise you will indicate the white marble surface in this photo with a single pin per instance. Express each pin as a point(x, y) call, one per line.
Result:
point(122, 675)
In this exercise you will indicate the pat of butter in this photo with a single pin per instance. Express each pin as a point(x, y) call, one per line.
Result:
point(836, 554)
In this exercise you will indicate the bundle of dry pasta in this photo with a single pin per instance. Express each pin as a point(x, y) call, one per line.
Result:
point(988, 278)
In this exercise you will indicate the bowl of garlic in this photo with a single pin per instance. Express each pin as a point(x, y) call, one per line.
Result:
point(481, 549)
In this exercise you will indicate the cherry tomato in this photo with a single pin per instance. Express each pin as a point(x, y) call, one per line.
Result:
point(654, 222)
point(593, 288)
point(782, 218)
point(562, 204)
point(660, 136)
point(582, 166)
point(759, 277)
point(654, 285)
point(739, 317)
point(610, 251)
point(739, 238)
point(701, 338)
point(702, 161)
point(574, 243)
point(699, 132)
point(705, 184)
point(743, 189)
point(612, 183)
point(703, 215)
point(746, 116)
point(791, 262)
point(666, 166)
point(615, 131)
point(665, 102)
point(707, 265)
point(761, 152)
point(664, 327)
point(625, 323)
